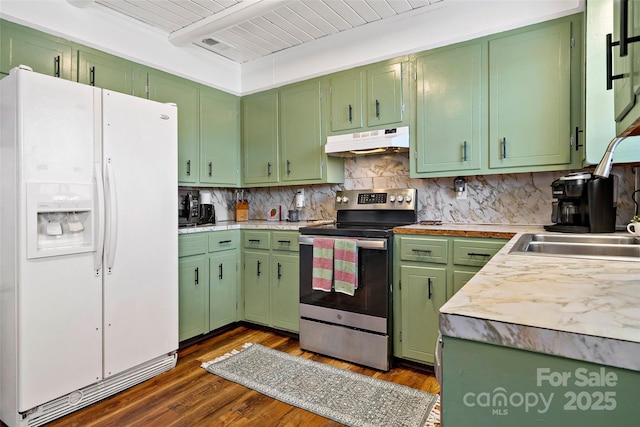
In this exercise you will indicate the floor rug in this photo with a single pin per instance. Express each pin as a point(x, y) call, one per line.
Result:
point(346, 397)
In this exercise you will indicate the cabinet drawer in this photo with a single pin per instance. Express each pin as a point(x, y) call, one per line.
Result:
point(256, 239)
point(284, 241)
point(475, 253)
point(223, 240)
point(423, 250)
point(192, 244)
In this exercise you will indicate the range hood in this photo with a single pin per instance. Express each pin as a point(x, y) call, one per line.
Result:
point(380, 141)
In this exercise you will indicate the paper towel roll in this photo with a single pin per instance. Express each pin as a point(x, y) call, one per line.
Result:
point(205, 197)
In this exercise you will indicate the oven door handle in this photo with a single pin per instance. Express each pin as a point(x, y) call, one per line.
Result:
point(380, 244)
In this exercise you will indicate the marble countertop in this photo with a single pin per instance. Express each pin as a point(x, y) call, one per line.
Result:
point(252, 224)
point(584, 309)
point(496, 231)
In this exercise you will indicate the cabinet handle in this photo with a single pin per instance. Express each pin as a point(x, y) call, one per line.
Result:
point(56, 66)
point(279, 271)
point(477, 254)
point(268, 168)
point(259, 268)
point(92, 76)
point(578, 132)
point(377, 109)
point(464, 151)
point(254, 240)
point(188, 167)
point(610, 76)
point(221, 242)
point(429, 285)
point(197, 276)
point(624, 28)
point(504, 148)
point(210, 168)
point(426, 251)
point(220, 271)
point(288, 242)
point(350, 114)
point(288, 167)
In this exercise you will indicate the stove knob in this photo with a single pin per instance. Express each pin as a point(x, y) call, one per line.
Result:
point(399, 198)
point(345, 199)
point(338, 199)
point(408, 199)
point(392, 199)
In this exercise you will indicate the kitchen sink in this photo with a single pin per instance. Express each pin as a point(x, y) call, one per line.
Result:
point(598, 246)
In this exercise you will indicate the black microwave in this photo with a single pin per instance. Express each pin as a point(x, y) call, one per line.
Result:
point(188, 208)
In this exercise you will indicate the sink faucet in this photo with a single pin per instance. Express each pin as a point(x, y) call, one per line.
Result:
point(604, 167)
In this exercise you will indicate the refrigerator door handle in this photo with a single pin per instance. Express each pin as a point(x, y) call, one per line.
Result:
point(110, 247)
point(97, 256)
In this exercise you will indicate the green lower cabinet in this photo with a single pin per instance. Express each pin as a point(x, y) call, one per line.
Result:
point(490, 385)
point(192, 297)
point(285, 292)
point(271, 278)
point(423, 292)
point(223, 279)
point(208, 281)
point(428, 270)
point(256, 287)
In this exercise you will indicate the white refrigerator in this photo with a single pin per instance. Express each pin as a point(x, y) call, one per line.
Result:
point(89, 250)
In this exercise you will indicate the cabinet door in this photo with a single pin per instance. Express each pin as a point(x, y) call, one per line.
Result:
point(449, 110)
point(300, 135)
point(166, 88)
point(106, 71)
point(219, 138)
point(260, 138)
point(223, 277)
point(285, 292)
point(460, 278)
point(346, 101)
point(385, 103)
point(256, 287)
point(44, 54)
point(530, 97)
point(192, 318)
point(423, 292)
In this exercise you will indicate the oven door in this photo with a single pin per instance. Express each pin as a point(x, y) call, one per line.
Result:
point(371, 298)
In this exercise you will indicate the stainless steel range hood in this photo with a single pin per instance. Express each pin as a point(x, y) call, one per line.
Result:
point(371, 142)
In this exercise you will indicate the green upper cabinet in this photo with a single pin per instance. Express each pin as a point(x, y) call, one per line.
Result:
point(449, 109)
point(385, 103)
point(530, 97)
point(167, 88)
point(110, 72)
point(300, 135)
point(219, 138)
point(260, 138)
point(43, 53)
point(345, 91)
point(510, 102)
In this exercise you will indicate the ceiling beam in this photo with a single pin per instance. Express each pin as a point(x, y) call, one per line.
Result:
point(234, 15)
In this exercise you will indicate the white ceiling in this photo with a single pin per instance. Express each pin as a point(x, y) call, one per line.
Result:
point(245, 30)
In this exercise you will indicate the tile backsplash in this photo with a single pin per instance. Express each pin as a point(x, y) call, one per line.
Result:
point(523, 198)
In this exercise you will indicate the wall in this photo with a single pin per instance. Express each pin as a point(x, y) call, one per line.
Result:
point(494, 199)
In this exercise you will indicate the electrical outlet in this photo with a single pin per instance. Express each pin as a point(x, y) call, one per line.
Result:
point(462, 195)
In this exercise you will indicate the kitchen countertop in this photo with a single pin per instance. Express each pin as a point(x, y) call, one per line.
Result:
point(252, 224)
point(584, 309)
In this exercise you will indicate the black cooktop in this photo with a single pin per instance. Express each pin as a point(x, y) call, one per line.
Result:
point(350, 230)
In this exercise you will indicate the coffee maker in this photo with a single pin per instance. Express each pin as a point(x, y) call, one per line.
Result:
point(583, 203)
point(207, 213)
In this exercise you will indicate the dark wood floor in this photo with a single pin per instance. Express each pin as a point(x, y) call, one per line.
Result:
point(189, 396)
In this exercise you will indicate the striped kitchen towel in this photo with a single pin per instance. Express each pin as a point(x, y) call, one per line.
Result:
point(322, 276)
point(345, 266)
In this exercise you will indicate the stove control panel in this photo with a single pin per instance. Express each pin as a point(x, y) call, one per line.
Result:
point(388, 198)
